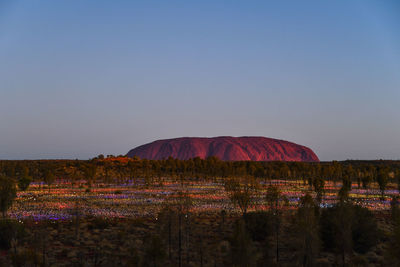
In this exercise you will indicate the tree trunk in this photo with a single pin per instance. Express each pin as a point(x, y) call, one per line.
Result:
point(169, 237)
point(343, 258)
point(187, 239)
point(180, 240)
point(277, 242)
point(201, 251)
point(277, 247)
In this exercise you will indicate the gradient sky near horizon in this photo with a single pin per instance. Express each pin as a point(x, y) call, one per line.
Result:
point(80, 78)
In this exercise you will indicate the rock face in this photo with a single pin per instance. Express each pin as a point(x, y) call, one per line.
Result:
point(225, 148)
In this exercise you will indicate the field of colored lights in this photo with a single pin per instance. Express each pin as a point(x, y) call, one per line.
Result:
point(63, 201)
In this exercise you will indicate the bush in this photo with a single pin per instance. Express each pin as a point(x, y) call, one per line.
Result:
point(118, 192)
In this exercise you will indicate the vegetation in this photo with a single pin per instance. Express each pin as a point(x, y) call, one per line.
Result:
point(241, 192)
point(307, 229)
point(119, 170)
point(258, 228)
point(7, 194)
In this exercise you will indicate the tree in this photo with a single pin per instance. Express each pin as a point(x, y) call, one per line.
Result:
point(382, 178)
point(258, 225)
point(394, 247)
point(242, 192)
point(11, 232)
point(397, 179)
point(343, 194)
point(89, 172)
point(394, 244)
point(133, 170)
point(319, 188)
point(24, 182)
point(336, 229)
point(107, 171)
point(337, 171)
point(8, 192)
point(307, 230)
point(241, 245)
point(395, 210)
point(183, 205)
point(120, 169)
point(346, 227)
point(365, 232)
point(167, 218)
point(366, 180)
point(49, 178)
point(276, 200)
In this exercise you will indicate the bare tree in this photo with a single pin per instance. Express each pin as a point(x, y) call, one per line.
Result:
point(242, 192)
point(276, 201)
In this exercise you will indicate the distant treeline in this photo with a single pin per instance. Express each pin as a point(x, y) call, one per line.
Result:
point(121, 169)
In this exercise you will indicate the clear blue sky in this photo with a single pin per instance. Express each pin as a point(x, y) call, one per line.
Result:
point(80, 78)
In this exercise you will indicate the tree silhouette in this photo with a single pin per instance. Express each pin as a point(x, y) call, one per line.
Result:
point(394, 244)
point(382, 178)
point(183, 205)
point(319, 188)
point(49, 178)
point(89, 172)
point(241, 245)
point(275, 201)
point(336, 229)
point(308, 231)
point(24, 182)
point(8, 192)
point(242, 192)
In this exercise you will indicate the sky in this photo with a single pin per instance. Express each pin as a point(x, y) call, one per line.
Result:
point(82, 78)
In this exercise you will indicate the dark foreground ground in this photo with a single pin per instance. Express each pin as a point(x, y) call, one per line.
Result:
point(205, 241)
